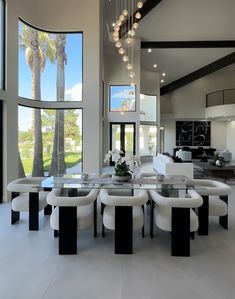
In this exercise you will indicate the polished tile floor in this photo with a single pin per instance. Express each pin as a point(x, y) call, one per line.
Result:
point(30, 267)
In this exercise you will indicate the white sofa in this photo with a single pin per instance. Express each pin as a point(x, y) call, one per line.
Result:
point(165, 165)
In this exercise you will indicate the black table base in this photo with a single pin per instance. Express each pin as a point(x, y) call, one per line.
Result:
point(123, 230)
point(180, 237)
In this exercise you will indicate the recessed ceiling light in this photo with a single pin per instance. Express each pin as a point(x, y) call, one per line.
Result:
point(163, 74)
point(155, 65)
point(162, 81)
point(149, 50)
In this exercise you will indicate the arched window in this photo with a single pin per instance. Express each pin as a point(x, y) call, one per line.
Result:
point(50, 102)
point(50, 64)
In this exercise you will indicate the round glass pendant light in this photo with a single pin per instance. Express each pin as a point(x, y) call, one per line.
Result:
point(119, 23)
point(116, 28)
point(125, 58)
point(135, 25)
point(128, 40)
point(140, 4)
point(121, 18)
point(121, 51)
point(132, 74)
point(116, 38)
point(118, 44)
point(138, 16)
point(125, 12)
point(129, 67)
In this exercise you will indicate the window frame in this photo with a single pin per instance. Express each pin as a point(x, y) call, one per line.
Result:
point(54, 32)
point(110, 86)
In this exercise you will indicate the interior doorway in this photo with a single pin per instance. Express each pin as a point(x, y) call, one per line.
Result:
point(122, 137)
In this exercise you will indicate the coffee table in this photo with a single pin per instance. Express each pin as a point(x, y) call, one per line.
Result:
point(226, 172)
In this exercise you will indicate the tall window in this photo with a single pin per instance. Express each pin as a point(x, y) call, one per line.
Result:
point(58, 149)
point(148, 125)
point(50, 71)
point(2, 44)
point(50, 64)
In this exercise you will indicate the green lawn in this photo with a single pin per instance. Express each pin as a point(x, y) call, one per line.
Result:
point(71, 159)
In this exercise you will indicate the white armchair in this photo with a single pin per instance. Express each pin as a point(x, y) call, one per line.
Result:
point(215, 202)
point(176, 215)
point(27, 198)
point(123, 214)
point(184, 155)
point(72, 214)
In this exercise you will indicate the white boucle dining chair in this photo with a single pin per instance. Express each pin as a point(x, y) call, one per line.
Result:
point(176, 215)
point(72, 213)
point(123, 214)
point(215, 202)
point(26, 197)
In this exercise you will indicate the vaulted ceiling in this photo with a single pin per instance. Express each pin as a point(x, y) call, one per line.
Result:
point(183, 20)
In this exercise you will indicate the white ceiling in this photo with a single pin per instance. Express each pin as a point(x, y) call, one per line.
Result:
point(181, 20)
point(177, 63)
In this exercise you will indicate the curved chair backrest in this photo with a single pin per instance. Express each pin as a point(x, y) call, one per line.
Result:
point(54, 198)
point(209, 187)
point(110, 198)
point(194, 201)
point(25, 184)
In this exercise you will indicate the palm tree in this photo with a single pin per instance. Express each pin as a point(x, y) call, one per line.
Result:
point(38, 46)
point(58, 163)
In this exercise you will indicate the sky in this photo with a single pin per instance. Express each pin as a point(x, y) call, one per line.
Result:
point(73, 77)
point(119, 93)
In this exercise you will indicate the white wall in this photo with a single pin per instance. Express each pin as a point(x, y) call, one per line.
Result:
point(189, 103)
point(56, 15)
point(230, 140)
point(116, 74)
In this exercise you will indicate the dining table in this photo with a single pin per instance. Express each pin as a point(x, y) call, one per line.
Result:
point(73, 182)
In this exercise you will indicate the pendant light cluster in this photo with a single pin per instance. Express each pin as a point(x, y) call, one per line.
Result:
point(125, 47)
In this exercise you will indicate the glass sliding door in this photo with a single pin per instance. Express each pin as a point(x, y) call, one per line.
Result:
point(122, 137)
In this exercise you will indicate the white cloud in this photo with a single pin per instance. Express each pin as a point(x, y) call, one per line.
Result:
point(75, 93)
point(126, 93)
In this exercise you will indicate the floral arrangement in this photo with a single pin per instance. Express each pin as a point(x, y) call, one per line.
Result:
point(124, 165)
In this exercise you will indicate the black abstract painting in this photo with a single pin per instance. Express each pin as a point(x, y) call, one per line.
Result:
point(202, 133)
point(184, 133)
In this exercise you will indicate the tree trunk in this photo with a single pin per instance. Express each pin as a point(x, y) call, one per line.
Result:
point(58, 160)
point(37, 122)
point(21, 172)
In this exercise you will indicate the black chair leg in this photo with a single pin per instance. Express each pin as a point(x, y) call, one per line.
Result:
point(33, 210)
point(151, 219)
point(15, 216)
point(102, 212)
point(95, 218)
point(223, 220)
point(143, 224)
point(48, 210)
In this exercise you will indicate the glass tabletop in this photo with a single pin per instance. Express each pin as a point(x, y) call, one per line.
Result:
point(147, 183)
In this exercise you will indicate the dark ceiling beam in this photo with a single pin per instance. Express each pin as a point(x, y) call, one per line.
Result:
point(188, 44)
point(202, 72)
point(146, 9)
